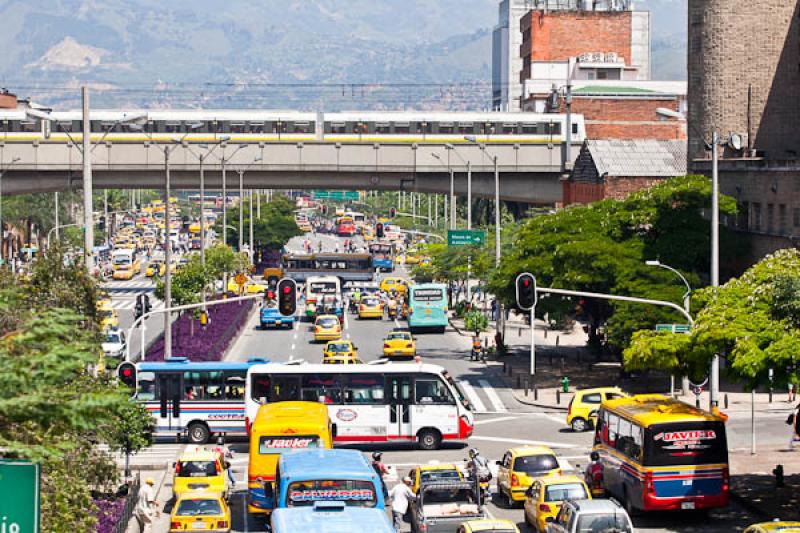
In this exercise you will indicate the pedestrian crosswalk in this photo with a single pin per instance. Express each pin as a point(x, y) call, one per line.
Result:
point(483, 396)
point(121, 304)
point(130, 287)
point(155, 456)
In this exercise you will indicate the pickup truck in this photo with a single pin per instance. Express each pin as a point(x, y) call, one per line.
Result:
point(272, 317)
point(441, 506)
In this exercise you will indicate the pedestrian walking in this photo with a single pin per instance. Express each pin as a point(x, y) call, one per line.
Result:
point(401, 496)
point(146, 506)
point(792, 392)
point(791, 421)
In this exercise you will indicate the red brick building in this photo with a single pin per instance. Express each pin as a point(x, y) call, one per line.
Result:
point(7, 100)
point(617, 168)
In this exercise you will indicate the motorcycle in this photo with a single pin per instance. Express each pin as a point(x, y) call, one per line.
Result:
point(392, 309)
point(483, 476)
point(594, 480)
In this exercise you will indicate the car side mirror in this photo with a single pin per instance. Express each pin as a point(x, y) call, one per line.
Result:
point(499, 463)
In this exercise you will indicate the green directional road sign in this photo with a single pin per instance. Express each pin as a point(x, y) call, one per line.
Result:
point(342, 196)
point(465, 237)
point(674, 328)
point(19, 506)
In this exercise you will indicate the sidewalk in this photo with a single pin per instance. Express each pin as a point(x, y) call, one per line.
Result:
point(161, 520)
point(562, 354)
point(753, 482)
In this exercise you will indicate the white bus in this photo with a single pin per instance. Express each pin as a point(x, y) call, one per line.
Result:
point(319, 286)
point(392, 402)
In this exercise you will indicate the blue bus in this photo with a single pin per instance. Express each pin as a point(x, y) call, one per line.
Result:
point(196, 400)
point(331, 517)
point(382, 256)
point(427, 307)
point(304, 477)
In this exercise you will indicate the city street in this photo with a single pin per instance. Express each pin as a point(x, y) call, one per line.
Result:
point(501, 423)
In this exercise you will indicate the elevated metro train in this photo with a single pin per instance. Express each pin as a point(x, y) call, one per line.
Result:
point(292, 126)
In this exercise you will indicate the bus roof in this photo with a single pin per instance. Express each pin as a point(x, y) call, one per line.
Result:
point(651, 409)
point(428, 286)
point(186, 365)
point(302, 414)
point(347, 369)
point(326, 464)
point(340, 519)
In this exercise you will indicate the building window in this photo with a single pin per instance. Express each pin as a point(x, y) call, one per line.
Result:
point(770, 217)
point(756, 216)
point(744, 210)
point(782, 219)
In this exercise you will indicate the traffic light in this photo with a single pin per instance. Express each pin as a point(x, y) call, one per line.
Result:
point(392, 212)
point(126, 373)
point(379, 230)
point(287, 297)
point(526, 291)
point(102, 223)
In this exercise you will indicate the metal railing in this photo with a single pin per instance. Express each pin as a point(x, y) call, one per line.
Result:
point(130, 504)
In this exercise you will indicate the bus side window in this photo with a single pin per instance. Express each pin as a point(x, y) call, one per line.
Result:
point(600, 429)
point(285, 388)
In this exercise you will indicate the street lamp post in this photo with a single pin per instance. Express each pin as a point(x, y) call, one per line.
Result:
point(714, 381)
point(687, 307)
point(452, 189)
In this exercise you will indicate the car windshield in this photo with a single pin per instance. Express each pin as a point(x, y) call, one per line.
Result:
point(339, 348)
point(113, 338)
point(327, 322)
point(199, 507)
point(438, 475)
point(371, 302)
point(197, 469)
point(107, 313)
point(535, 463)
point(567, 491)
point(603, 523)
point(401, 336)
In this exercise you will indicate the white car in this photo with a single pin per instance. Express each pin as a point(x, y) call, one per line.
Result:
point(114, 343)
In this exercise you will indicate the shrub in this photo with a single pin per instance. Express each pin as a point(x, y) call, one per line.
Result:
point(475, 321)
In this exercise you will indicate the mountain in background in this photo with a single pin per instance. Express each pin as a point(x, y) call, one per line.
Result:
point(312, 54)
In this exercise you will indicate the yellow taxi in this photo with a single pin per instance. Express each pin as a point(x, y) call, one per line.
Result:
point(199, 469)
point(339, 350)
point(434, 472)
point(250, 286)
point(519, 466)
point(487, 524)
point(370, 307)
point(770, 527)
point(154, 268)
point(412, 258)
point(399, 344)
point(367, 233)
point(400, 285)
point(583, 407)
point(200, 511)
point(545, 496)
point(327, 328)
point(108, 316)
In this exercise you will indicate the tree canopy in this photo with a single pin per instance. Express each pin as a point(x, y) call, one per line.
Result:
point(752, 320)
point(272, 229)
point(602, 247)
point(53, 409)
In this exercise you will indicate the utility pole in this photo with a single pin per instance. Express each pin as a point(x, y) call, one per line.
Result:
point(167, 260)
point(241, 209)
point(714, 381)
point(88, 213)
point(57, 221)
point(105, 215)
point(469, 195)
point(202, 213)
point(224, 204)
point(252, 254)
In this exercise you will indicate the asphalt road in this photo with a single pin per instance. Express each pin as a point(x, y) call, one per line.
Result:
point(501, 423)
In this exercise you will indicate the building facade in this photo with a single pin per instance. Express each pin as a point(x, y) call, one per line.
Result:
point(744, 79)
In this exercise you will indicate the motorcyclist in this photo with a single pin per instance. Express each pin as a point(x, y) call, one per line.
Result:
point(476, 345)
point(479, 468)
point(594, 472)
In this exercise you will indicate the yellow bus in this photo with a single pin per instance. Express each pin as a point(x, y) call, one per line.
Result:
point(125, 263)
point(282, 427)
point(661, 454)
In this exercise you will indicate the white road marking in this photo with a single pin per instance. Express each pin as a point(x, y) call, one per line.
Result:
point(293, 347)
point(493, 397)
point(396, 323)
point(489, 421)
point(474, 399)
point(525, 442)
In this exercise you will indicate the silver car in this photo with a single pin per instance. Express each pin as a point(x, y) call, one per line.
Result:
point(590, 516)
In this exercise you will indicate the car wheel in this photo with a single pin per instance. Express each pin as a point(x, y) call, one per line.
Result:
point(198, 433)
point(429, 439)
point(578, 425)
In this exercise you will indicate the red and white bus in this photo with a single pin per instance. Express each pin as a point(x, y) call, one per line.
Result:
point(392, 402)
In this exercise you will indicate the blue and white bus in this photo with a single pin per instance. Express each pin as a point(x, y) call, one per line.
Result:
point(427, 307)
point(198, 400)
point(382, 256)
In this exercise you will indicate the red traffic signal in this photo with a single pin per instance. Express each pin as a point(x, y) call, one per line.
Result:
point(126, 373)
point(526, 291)
point(392, 212)
point(379, 230)
point(287, 297)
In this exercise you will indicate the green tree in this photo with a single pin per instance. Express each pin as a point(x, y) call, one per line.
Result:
point(272, 229)
point(752, 320)
point(602, 247)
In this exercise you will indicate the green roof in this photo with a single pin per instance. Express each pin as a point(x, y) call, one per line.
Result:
point(604, 89)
